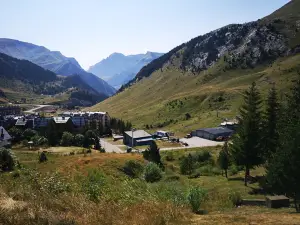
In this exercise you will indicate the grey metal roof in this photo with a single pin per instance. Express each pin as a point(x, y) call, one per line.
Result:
point(5, 133)
point(216, 130)
point(138, 134)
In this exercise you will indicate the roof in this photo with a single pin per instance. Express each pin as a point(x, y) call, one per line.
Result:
point(21, 122)
point(6, 135)
point(216, 130)
point(60, 119)
point(144, 140)
point(138, 134)
point(42, 121)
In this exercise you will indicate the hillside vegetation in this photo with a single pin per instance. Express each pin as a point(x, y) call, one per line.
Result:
point(206, 76)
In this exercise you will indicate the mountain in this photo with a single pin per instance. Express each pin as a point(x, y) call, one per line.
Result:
point(22, 79)
point(118, 69)
point(206, 76)
point(54, 61)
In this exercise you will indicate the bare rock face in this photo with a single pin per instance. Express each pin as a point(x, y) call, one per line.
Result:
point(243, 45)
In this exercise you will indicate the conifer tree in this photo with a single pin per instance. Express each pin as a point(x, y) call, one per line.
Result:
point(245, 148)
point(223, 159)
point(283, 174)
point(271, 122)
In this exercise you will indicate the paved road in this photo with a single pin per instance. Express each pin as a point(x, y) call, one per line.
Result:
point(37, 107)
point(110, 147)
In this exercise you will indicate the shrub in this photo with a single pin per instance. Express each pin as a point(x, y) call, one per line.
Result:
point(29, 133)
point(102, 150)
point(67, 139)
point(43, 157)
point(234, 169)
point(78, 140)
point(187, 165)
point(133, 168)
point(235, 197)
point(94, 184)
point(152, 172)
point(170, 156)
point(7, 159)
point(195, 197)
point(152, 153)
point(203, 156)
point(209, 170)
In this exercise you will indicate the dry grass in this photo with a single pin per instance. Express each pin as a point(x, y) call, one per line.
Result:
point(249, 215)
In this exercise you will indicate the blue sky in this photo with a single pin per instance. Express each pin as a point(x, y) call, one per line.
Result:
point(91, 30)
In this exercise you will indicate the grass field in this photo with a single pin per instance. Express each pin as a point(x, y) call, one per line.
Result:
point(60, 191)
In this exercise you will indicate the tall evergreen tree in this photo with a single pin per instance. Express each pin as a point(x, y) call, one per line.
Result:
point(283, 173)
point(245, 148)
point(152, 154)
point(223, 158)
point(271, 122)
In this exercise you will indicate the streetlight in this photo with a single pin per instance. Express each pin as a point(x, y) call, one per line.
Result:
point(132, 130)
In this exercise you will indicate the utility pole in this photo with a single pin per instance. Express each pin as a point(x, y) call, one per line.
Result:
point(132, 130)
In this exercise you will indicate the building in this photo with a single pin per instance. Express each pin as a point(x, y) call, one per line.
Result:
point(41, 122)
point(139, 137)
point(232, 125)
point(90, 119)
point(5, 138)
point(163, 134)
point(24, 123)
point(10, 110)
point(213, 133)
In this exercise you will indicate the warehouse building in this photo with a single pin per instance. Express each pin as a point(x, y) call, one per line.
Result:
point(213, 133)
point(138, 137)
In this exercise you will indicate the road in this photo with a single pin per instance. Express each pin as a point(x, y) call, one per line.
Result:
point(109, 147)
point(37, 107)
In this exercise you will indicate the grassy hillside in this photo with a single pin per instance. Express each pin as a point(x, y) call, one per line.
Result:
point(166, 96)
point(200, 79)
point(93, 189)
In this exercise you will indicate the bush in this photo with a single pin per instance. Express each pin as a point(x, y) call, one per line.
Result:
point(152, 172)
point(93, 185)
point(29, 133)
point(39, 141)
point(67, 139)
point(187, 165)
point(133, 168)
point(7, 159)
point(209, 170)
point(43, 157)
point(78, 140)
point(235, 197)
point(170, 156)
point(234, 169)
point(102, 150)
point(203, 156)
point(196, 196)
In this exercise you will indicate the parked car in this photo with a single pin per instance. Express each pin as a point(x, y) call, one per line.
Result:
point(188, 136)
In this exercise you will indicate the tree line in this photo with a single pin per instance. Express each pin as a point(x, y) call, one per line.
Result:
point(268, 135)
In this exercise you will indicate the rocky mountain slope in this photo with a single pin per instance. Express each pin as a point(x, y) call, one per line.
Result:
point(21, 79)
point(54, 61)
point(118, 69)
point(205, 76)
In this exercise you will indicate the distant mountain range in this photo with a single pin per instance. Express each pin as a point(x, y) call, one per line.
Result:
point(22, 79)
point(118, 69)
point(53, 61)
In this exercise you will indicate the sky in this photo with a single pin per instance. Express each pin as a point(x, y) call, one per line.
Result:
point(90, 30)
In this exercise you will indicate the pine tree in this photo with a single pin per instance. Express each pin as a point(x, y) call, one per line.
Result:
point(271, 122)
point(152, 154)
point(245, 148)
point(283, 174)
point(223, 159)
